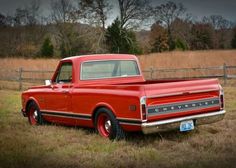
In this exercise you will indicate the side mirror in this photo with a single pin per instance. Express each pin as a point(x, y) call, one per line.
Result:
point(48, 82)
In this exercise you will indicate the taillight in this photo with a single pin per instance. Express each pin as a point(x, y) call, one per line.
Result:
point(221, 97)
point(143, 108)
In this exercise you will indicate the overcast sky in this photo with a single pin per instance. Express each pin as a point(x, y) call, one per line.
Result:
point(197, 8)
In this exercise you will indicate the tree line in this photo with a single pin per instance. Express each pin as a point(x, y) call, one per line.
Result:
point(75, 27)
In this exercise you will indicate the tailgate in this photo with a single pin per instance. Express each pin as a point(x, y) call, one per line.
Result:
point(177, 99)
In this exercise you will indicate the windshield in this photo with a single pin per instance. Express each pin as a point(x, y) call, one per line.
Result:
point(109, 69)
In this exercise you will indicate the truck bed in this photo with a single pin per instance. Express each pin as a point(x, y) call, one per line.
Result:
point(177, 98)
point(166, 96)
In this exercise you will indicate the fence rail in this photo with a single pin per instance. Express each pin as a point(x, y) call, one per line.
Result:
point(225, 72)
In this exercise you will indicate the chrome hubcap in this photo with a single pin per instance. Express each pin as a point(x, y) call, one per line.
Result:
point(35, 115)
point(108, 125)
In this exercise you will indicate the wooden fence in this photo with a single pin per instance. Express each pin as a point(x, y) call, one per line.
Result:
point(224, 72)
point(33, 77)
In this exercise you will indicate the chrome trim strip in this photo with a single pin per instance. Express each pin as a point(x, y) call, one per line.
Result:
point(126, 123)
point(174, 120)
point(182, 110)
point(63, 112)
point(165, 95)
point(202, 91)
point(185, 109)
point(181, 102)
point(131, 119)
point(180, 93)
point(156, 123)
point(62, 116)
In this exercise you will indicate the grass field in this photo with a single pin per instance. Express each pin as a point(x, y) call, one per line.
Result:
point(166, 60)
point(189, 59)
point(22, 145)
point(175, 59)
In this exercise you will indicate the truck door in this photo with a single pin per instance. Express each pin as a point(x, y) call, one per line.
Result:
point(58, 99)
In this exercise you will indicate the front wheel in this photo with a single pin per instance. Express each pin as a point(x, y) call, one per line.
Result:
point(34, 114)
point(107, 125)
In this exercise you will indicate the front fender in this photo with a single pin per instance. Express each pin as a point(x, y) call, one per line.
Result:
point(30, 99)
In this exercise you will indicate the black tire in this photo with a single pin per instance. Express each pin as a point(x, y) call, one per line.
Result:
point(116, 132)
point(34, 114)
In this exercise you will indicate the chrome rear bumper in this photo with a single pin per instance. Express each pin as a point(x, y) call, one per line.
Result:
point(171, 124)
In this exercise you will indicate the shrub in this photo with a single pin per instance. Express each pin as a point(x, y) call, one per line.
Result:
point(47, 49)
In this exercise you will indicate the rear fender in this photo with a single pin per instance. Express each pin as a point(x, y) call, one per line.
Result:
point(102, 105)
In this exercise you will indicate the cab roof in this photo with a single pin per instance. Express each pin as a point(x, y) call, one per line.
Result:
point(100, 57)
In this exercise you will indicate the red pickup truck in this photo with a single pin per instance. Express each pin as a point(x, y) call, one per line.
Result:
point(109, 93)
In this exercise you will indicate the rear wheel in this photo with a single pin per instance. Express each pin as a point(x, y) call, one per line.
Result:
point(34, 114)
point(107, 125)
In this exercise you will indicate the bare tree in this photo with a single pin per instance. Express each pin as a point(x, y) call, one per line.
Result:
point(66, 16)
point(95, 11)
point(218, 22)
point(63, 14)
point(166, 14)
point(221, 26)
point(63, 11)
point(27, 15)
point(132, 11)
point(33, 12)
point(182, 31)
point(2, 20)
point(20, 17)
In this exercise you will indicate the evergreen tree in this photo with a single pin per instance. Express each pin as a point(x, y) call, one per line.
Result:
point(180, 45)
point(47, 49)
point(121, 40)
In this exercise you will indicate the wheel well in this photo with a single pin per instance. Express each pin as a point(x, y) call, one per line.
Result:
point(96, 110)
point(27, 106)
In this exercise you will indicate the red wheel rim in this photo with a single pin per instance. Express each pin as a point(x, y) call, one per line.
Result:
point(104, 125)
point(33, 116)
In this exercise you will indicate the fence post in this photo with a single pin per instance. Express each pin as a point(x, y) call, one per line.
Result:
point(20, 78)
point(151, 72)
point(225, 73)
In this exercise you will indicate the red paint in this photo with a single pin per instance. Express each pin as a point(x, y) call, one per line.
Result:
point(102, 119)
point(32, 118)
point(80, 99)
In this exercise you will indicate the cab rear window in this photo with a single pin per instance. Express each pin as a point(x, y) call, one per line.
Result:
point(109, 69)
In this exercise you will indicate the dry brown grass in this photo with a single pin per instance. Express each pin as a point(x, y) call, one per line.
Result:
point(167, 60)
point(28, 64)
point(176, 59)
point(22, 145)
point(188, 59)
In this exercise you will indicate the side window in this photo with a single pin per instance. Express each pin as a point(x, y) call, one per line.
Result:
point(64, 74)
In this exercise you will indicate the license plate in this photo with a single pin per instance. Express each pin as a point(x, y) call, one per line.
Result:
point(186, 126)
